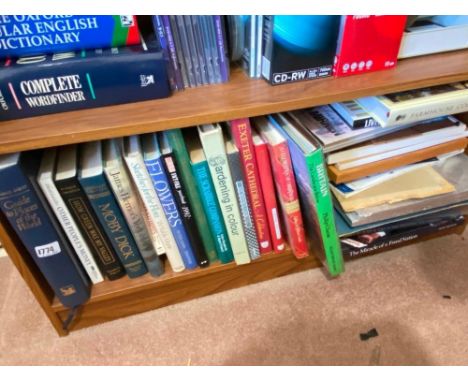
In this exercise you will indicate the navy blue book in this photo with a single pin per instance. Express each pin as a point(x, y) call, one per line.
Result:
point(31, 86)
point(155, 167)
point(24, 206)
point(92, 180)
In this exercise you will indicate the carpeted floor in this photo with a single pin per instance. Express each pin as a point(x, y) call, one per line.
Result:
point(301, 319)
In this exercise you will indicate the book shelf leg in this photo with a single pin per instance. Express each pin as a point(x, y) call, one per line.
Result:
point(33, 279)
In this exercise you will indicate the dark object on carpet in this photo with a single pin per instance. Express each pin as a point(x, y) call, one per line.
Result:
point(371, 333)
point(447, 296)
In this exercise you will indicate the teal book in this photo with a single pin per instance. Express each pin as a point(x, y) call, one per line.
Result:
point(210, 201)
point(93, 181)
point(177, 142)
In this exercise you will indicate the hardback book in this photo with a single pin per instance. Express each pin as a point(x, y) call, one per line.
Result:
point(354, 115)
point(313, 186)
point(133, 156)
point(241, 133)
point(235, 166)
point(427, 35)
point(212, 140)
point(421, 135)
point(332, 131)
point(93, 182)
point(364, 244)
point(45, 179)
point(66, 181)
point(127, 197)
point(417, 104)
point(28, 213)
point(176, 141)
point(297, 48)
point(368, 43)
point(173, 174)
point(201, 174)
point(155, 167)
point(421, 183)
point(60, 82)
point(269, 194)
point(354, 173)
point(285, 183)
point(28, 35)
point(449, 169)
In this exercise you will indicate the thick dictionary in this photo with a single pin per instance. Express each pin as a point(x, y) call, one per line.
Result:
point(24, 35)
point(31, 86)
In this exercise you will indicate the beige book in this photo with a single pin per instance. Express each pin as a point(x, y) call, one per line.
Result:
point(418, 184)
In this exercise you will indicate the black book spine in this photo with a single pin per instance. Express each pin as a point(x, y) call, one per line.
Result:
point(186, 212)
point(87, 222)
point(390, 241)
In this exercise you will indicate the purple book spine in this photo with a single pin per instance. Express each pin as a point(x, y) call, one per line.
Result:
point(223, 64)
point(172, 52)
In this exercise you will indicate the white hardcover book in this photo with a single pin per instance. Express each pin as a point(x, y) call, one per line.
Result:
point(127, 198)
point(211, 137)
point(144, 184)
point(45, 178)
point(418, 104)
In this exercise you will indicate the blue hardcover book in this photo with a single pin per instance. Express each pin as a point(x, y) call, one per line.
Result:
point(210, 203)
point(25, 35)
point(32, 86)
point(25, 208)
point(92, 180)
point(155, 167)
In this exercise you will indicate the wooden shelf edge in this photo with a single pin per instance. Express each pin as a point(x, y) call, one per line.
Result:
point(240, 97)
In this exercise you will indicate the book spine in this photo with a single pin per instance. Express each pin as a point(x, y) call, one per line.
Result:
point(222, 55)
point(71, 230)
point(28, 218)
point(148, 195)
point(114, 225)
point(161, 184)
point(155, 238)
point(324, 206)
point(163, 42)
point(177, 143)
point(242, 134)
point(49, 34)
point(244, 205)
point(172, 52)
point(87, 222)
point(179, 51)
point(213, 146)
point(183, 206)
point(41, 85)
point(127, 197)
point(392, 241)
point(287, 193)
point(269, 197)
point(213, 211)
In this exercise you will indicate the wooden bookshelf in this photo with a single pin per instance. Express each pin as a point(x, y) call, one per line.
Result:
point(241, 97)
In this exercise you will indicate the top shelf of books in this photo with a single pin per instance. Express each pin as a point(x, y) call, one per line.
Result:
point(240, 97)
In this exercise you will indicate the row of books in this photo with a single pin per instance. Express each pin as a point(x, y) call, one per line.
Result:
point(217, 192)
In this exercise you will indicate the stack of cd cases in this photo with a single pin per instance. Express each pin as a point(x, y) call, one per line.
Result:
point(195, 49)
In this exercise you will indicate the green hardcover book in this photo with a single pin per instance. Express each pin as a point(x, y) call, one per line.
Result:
point(176, 140)
point(314, 192)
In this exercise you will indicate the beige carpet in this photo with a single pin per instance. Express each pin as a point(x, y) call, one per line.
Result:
point(301, 319)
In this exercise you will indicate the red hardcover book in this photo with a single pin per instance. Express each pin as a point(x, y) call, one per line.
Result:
point(368, 43)
point(242, 135)
point(286, 188)
point(269, 197)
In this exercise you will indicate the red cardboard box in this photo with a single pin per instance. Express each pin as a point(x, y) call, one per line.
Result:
point(368, 43)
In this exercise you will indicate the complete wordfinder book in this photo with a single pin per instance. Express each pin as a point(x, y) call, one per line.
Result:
point(31, 86)
point(25, 35)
